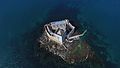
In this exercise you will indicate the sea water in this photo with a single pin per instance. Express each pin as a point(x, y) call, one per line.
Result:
point(19, 17)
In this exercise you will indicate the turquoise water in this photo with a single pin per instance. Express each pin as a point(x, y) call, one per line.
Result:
point(19, 17)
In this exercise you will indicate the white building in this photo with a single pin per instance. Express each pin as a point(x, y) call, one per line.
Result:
point(57, 31)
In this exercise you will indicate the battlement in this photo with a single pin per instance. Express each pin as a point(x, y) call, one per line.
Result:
point(58, 31)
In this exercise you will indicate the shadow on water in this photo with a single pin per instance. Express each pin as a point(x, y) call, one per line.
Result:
point(31, 56)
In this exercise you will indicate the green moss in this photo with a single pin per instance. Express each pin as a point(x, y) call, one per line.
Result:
point(77, 49)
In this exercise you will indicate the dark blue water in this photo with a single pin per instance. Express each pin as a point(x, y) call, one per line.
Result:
point(20, 16)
